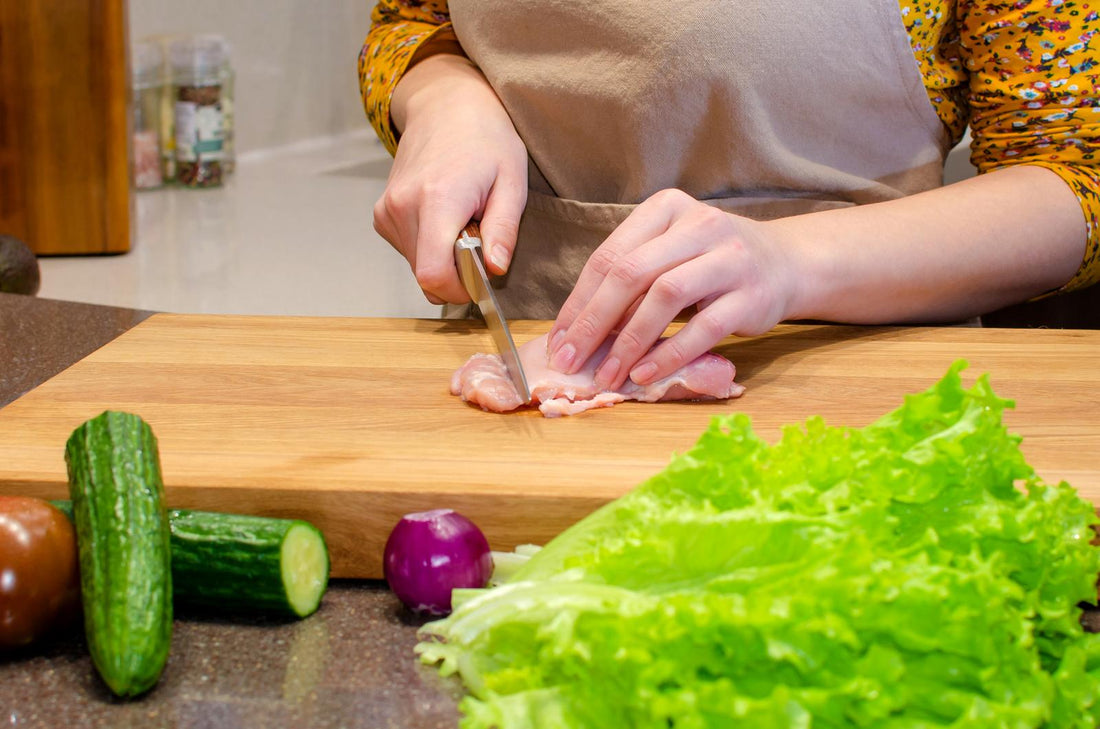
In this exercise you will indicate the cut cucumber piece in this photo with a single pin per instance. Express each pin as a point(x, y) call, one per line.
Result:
point(304, 567)
point(248, 562)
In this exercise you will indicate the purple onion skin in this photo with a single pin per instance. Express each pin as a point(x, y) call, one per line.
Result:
point(429, 553)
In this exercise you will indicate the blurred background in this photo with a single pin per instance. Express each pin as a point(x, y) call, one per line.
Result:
point(283, 228)
point(295, 61)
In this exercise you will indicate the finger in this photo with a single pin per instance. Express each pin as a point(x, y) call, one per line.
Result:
point(627, 316)
point(670, 294)
point(648, 271)
point(632, 276)
point(500, 221)
point(615, 331)
point(651, 218)
point(386, 225)
point(619, 326)
point(704, 330)
point(440, 222)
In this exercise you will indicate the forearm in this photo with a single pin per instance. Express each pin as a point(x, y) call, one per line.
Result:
point(401, 34)
point(943, 255)
point(443, 78)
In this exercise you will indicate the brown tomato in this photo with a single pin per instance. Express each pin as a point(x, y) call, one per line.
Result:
point(39, 570)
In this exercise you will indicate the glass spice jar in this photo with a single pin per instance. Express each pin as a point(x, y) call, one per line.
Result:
point(145, 153)
point(200, 132)
point(167, 105)
point(229, 157)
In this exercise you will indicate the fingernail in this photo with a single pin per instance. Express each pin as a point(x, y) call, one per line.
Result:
point(643, 372)
point(607, 372)
point(563, 358)
point(554, 342)
point(499, 259)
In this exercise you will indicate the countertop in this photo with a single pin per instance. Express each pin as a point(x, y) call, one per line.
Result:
point(290, 233)
point(348, 665)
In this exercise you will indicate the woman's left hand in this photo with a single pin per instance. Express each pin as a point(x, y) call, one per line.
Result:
point(671, 253)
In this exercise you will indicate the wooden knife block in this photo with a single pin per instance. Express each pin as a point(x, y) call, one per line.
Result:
point(64, 149)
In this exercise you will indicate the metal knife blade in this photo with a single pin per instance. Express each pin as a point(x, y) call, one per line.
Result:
point(471, 270)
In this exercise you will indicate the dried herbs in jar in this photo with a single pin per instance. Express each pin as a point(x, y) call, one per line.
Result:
point(200, 121)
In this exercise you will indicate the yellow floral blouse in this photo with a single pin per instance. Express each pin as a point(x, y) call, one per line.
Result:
point(1023, 74)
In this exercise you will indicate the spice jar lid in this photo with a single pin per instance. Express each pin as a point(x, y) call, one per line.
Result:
point(198, 60)
point(146, 63)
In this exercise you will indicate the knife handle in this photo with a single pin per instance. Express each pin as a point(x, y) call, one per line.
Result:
point(468, 259)
point(472, 230)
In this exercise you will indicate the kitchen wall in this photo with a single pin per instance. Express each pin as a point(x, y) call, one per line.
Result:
point(295, 61)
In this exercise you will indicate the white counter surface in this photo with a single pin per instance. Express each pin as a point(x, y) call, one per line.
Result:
point(289, 234)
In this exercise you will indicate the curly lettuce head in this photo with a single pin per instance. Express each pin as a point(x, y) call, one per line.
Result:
point(912, 573)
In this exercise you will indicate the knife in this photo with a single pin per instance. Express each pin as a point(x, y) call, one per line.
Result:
point(471, 270)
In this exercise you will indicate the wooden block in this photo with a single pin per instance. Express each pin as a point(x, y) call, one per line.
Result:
point(64, 149)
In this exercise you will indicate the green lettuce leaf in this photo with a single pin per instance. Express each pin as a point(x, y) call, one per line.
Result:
point(912, 573)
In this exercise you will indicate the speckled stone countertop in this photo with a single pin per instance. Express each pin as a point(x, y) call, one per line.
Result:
point(348, 665)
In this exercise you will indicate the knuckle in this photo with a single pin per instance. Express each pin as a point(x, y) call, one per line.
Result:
point(432, 278)
point(629, 343)
point(712, 215)
point(710, 325)
point(626, 270)
point(668, 290)
point(711, 220)
point(671, 196)
point(437, 192)
point(382, 222)
point(673, 354)
point(385, 227)
point(603, 260)
point(588, 325)
point(398, 198)
point(568, 312)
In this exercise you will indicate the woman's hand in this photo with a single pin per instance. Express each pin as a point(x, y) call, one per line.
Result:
point(671, 253)
point(938, 256)
point(459, 158)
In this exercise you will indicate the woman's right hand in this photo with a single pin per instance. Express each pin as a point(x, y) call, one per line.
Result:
point(459, 158)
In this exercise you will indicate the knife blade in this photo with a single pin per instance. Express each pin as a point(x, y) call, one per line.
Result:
point(471, 270)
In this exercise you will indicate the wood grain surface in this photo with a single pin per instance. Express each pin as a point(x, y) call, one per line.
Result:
point(349, 422)
point(64, 125)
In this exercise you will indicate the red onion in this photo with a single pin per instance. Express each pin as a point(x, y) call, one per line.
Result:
point(430, 553)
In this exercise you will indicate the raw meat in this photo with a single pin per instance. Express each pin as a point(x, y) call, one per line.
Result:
point(484, 381)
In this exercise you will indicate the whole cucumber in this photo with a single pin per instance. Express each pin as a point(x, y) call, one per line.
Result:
point(123, 539)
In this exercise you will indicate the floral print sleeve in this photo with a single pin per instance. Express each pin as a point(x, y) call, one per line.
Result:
point(398, 29)
point(1022, 74)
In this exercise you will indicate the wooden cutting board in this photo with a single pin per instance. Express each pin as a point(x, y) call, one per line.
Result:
point(349, 422)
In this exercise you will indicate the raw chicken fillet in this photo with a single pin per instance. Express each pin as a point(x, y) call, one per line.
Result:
point(484, 381)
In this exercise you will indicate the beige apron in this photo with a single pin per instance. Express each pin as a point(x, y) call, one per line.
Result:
point(765, 108)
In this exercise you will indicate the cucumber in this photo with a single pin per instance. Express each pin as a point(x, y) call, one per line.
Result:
point(123, 540)
point(236, 562)
point(248, 562)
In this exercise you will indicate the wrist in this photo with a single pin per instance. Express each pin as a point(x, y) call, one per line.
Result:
point(800, 266)
point(438, 80)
